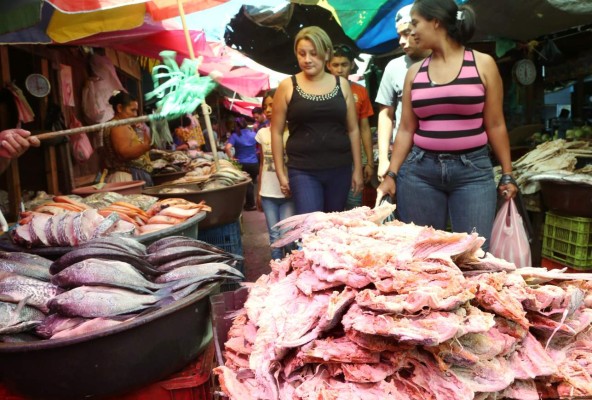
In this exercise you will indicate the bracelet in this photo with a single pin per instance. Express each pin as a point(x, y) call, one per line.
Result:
point(392, 175)
point(507, 178)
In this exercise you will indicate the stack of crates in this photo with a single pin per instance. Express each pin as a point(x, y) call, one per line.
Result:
point(568, 240)
point(228, 238)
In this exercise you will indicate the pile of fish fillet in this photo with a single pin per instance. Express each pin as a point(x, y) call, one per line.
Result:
point(103, 283)
point(399, 311)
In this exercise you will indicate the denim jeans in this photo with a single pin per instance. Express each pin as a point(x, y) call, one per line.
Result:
point(275, 210)
point(253, 170)
point(432, 187)
point(320, 190)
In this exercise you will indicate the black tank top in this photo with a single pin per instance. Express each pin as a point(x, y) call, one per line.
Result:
point(318, 129)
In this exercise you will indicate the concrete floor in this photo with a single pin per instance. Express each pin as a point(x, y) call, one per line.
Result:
point(255, 240)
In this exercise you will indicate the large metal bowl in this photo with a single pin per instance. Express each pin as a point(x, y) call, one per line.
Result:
point(227, 202)
point(111, 361)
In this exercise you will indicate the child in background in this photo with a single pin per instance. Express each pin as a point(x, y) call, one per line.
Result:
point(270, 198)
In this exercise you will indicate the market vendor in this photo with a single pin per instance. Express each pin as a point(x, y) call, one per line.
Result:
point(13, 143)
point(125, 147)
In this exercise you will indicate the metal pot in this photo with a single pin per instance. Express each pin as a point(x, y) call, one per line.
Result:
point(111, 361)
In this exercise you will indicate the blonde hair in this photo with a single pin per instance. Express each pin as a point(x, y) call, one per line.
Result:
point(319, 39)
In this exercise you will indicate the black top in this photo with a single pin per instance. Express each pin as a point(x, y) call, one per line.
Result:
point(318, 129)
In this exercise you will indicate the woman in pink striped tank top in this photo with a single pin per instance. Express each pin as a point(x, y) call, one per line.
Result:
point(452, 116)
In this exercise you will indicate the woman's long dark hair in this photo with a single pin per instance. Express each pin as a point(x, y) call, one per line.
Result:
point(239, 124)
point(459, 21)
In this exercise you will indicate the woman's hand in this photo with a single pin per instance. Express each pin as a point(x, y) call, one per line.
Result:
point(258, 203)
point(368, 172)
point(285, 186)
point(357, 181)
point(388, 186)
point(507, 191)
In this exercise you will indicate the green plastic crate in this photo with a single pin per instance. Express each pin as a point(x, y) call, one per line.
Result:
point(573, 230)
point(575, 256)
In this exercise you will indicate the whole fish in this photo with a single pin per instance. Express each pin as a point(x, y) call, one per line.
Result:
point(173, 253)
point(16, 318)
point(102, 301)
point(194, 260)
point(184, 241)
point(121, 242)
point(84, 253)
point(19, 338)
point(15, 288)
point(55, 323)
point(25, 258)
point(88, 326)
point(25, 268)
point(193, 271)
point(97, 272)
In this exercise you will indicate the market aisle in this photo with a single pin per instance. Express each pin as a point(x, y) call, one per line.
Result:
point(255, 245)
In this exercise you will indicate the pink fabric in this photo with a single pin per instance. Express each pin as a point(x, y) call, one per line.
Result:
point(450, 144)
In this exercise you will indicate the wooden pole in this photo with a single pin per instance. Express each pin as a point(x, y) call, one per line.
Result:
point(206, 110)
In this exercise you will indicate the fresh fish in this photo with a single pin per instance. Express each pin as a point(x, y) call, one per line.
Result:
point(19, 338)
point(97, 272)
point(124, 242)
point(16, 318)
point(88, 326)
point(25, 269)
point(112, 245)
point(84, 253)
point(181, 242)
point(174, 253)
point(55, 323)
point(102, 301)
point(166, 241)
point(15, 288)
point(26, 258)
point(191, 274)
point(194, 260)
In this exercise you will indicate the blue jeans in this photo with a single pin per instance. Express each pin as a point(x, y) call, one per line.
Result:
point(320, 190)
point(432, 187)
point(275, 210)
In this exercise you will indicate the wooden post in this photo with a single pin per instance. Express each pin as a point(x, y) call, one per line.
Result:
point(13, 178)
point(51, 168)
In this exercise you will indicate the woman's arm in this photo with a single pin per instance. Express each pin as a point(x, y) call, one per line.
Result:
point(493, 117)
point(403, 139)
point(366, 135)
point(126, 143)
point(228, 148)
point(278, 123)
point(353, 132)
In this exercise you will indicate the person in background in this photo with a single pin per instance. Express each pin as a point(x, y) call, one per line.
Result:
point(261, 121)
point(452, 109)
point(188, 136)
point(390, 91)
point(270, 199)
point(324, 139)
point(125, 152)
point(243, 142)
point(342, 64)
point(13, 144)
point(207, 145)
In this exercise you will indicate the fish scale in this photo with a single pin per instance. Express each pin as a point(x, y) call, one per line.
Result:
point(15, 288)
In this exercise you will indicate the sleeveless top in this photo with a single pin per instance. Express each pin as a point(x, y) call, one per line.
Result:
point(318, 130)
point(115, 164)
point(450, 115)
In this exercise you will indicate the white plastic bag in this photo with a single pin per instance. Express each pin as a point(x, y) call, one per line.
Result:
point(509, 239)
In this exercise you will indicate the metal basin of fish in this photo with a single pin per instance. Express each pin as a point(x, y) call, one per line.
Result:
point(187, 228)
point(227, 202)
point(113, 360)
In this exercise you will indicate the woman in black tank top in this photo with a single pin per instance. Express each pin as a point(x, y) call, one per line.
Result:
point(324, 136)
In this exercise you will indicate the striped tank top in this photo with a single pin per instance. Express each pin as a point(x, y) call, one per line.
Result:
point(450, 115)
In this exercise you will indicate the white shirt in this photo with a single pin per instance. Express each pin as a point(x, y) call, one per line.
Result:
point(270, 186)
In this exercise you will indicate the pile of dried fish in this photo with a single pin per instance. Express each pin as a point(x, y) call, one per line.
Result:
point(553, 156)
point(103, 283)
point(404, 312)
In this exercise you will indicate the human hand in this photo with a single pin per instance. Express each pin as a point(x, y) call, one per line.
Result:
point(285, 186)
point(14, 142)
point(258, 203)
point(383, 166)
point(388, 186)
point(508, 191)
point(357, 181)
point(368, 173)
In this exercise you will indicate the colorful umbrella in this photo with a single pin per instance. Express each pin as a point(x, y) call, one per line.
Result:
point(61, 21)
